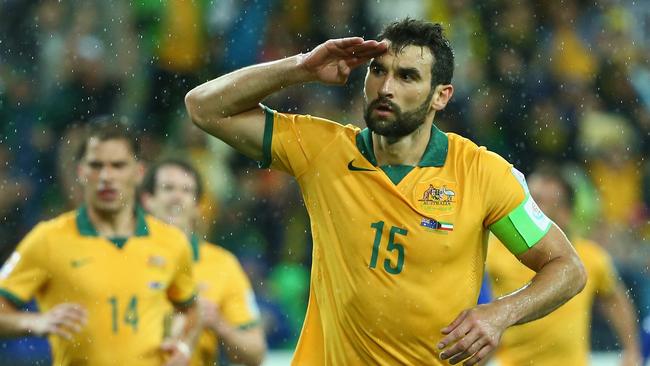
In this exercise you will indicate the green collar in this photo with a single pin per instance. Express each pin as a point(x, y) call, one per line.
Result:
point(434, 156)
point(86, 228)
point(194, 242)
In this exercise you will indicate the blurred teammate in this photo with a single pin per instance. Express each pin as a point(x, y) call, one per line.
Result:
point(400, 211)
point(171, 191)
point(562, 337)
point(103, 275)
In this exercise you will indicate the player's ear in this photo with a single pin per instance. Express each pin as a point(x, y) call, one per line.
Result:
point(140, 170)
point(441, 96)
point(145, 201)
point(81, 176)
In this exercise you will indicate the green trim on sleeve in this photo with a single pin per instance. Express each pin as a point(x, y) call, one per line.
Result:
point(523, 227)
point(249, 325)
point(185, 304)
point(268, 137)
point(15, 300)
point(194, 244)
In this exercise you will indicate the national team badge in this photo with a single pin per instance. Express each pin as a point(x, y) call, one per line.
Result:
point(438, 197)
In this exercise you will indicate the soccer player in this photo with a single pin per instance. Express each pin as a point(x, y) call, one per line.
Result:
point(399, 211)
point(103, 275)
point(562, 337)
point(171, 191)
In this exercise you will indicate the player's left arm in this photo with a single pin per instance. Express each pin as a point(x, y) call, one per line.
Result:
point(236, 319)
point(476, 332)
point(513, 216)
point(244, 345)
point(622, 315)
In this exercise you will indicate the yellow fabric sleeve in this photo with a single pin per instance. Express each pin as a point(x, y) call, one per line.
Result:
point(182, 289)
point(239, 306)
point(606, 274)
point(26, 271)
point(293, 141)
point(502, 191)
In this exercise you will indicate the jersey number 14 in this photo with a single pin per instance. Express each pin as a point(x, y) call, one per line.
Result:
point(129, 315)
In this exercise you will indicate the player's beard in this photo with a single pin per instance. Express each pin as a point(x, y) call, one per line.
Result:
point(402, 123)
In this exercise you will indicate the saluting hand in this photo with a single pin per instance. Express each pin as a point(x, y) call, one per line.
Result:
point(473, 335)
point(331, 62)
point(64, 320)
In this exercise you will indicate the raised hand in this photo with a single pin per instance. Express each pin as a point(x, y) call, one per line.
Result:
point(331, 62)
point(64, 320)
point(179, 353)
point(473, 335)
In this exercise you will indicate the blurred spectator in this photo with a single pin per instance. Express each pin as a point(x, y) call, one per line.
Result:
point(177, 39)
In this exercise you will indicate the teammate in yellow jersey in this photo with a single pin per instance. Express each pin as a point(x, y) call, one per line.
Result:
point(105, 274)
point(400, 211)
point(171, 191)
point(562, 337)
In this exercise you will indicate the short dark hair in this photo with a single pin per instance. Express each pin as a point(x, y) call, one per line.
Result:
point(407, 32)
point(149, 181)
point(554, 173)
point(109, 128)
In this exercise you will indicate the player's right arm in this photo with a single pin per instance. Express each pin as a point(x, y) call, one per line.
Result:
point(226, 107)
point(22, 275)
point(63, 320)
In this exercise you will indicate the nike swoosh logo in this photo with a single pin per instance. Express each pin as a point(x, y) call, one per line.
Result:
point(358, 169)
point(76, 263)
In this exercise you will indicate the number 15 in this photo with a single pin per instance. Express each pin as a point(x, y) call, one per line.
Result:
point(392, 246)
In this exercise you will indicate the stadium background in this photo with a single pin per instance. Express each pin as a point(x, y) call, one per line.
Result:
point(567, 82)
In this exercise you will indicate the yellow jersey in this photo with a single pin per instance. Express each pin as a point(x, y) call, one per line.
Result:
point(398, 251)
point(126, 285)
point(562, 337)
point(221, 279)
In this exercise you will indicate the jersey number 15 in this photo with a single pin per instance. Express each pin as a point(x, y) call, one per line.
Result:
point(392, 246)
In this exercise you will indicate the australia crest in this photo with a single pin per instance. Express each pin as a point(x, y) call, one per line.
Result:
point(437, 197)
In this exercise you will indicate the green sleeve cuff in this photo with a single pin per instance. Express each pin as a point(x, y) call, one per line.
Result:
point(249, 325)
point(15, 300)
point(186, 303)
point(522, 228)
point(268, 137)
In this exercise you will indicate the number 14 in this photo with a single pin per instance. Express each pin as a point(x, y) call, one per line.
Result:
point(392, 246)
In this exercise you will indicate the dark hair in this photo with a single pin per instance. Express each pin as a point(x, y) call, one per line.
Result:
point(109, 128)
point(149, 182)
point(407, 32)
point(554, 173)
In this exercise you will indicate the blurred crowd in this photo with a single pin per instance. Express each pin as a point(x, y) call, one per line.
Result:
point(565, 82)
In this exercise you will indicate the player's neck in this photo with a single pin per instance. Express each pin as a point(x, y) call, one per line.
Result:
point(407, 150)
point(120, 224)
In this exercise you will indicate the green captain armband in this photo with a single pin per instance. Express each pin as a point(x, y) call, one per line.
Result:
point(523, 227)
